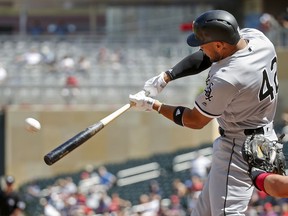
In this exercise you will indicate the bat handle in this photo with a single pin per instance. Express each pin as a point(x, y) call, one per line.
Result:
point(115, 114)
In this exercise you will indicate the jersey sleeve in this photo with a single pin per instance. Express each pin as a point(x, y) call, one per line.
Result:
point(216, 97)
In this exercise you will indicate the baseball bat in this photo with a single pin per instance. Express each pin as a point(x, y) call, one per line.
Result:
point(77, 140)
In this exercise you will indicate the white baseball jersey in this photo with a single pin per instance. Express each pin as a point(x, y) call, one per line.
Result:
point(241, 92)
point(242, 89)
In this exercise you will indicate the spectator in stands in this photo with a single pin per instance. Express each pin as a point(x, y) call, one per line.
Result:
point(116, 60)
point(33, 190)
point(194, 188)
point(91, 170)
point(176, 209)
point(197, 183)
point(106, 178)
point(191, 199)
point(69, 186)
point(270, 27)
point(164, 207)
point(10, 202)
point(146, 206)
point(284, 209)
point(283, 20)
point(31, 57)
point(284, 125)
point(103, 55)
point(155, 189)
point(35, 28)
point(55, 197)
point(254, 201)
point(76, 205)
point(104, 203)
point(179, 188)
point(118, 204)
point(67, 65)
point(71, 89)
point(3, 74)
point(48, 209)
point(200, 166)
point(59, 28)
point(83, 66)
point(87, 180)
point(49, 56)
point(268, 210)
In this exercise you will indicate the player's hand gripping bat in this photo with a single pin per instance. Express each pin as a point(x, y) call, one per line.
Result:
point(77, 140)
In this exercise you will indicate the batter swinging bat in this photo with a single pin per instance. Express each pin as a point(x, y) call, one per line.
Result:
point(74, 142)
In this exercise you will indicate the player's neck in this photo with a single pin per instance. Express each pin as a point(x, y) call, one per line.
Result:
point(239, 46)
point(242, 43)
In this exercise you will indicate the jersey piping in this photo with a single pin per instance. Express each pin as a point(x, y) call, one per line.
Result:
point(205, 113)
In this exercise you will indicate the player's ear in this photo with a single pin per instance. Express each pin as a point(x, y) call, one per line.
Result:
point(219, 45)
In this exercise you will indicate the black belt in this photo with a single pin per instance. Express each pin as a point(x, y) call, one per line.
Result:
point(247, 132)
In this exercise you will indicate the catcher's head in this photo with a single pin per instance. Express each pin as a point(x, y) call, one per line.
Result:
point(214, 25)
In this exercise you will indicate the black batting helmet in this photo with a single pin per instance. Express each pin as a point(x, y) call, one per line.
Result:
point(214, 25)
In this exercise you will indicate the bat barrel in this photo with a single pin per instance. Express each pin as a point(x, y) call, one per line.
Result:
point(68, 146)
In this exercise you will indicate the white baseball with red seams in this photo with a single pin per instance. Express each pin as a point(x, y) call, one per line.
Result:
point(32, 125)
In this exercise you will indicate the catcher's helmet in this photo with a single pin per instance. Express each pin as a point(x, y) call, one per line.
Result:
point(214, 25)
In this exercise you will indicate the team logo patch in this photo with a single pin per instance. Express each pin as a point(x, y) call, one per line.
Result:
point(208, 92)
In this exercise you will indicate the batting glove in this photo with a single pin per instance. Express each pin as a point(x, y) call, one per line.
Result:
point(155, 85)
point(141, 101)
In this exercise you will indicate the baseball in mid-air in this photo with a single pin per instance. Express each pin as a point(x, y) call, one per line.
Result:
point(32, 125)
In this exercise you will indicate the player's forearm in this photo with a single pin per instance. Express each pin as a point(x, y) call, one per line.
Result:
point(276, 185)
point(190, 65)
point(182, 116)
point(165, 110)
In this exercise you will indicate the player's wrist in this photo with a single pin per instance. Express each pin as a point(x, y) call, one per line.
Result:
point(157, 106)
point(259, 181)
point(167, 77)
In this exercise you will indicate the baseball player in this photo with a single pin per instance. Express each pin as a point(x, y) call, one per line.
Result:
point(10, 202)
point(241, 93)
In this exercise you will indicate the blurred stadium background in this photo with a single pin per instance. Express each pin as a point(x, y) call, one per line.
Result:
point(69, 63)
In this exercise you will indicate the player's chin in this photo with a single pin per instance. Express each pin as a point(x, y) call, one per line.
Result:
point(215, 58)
